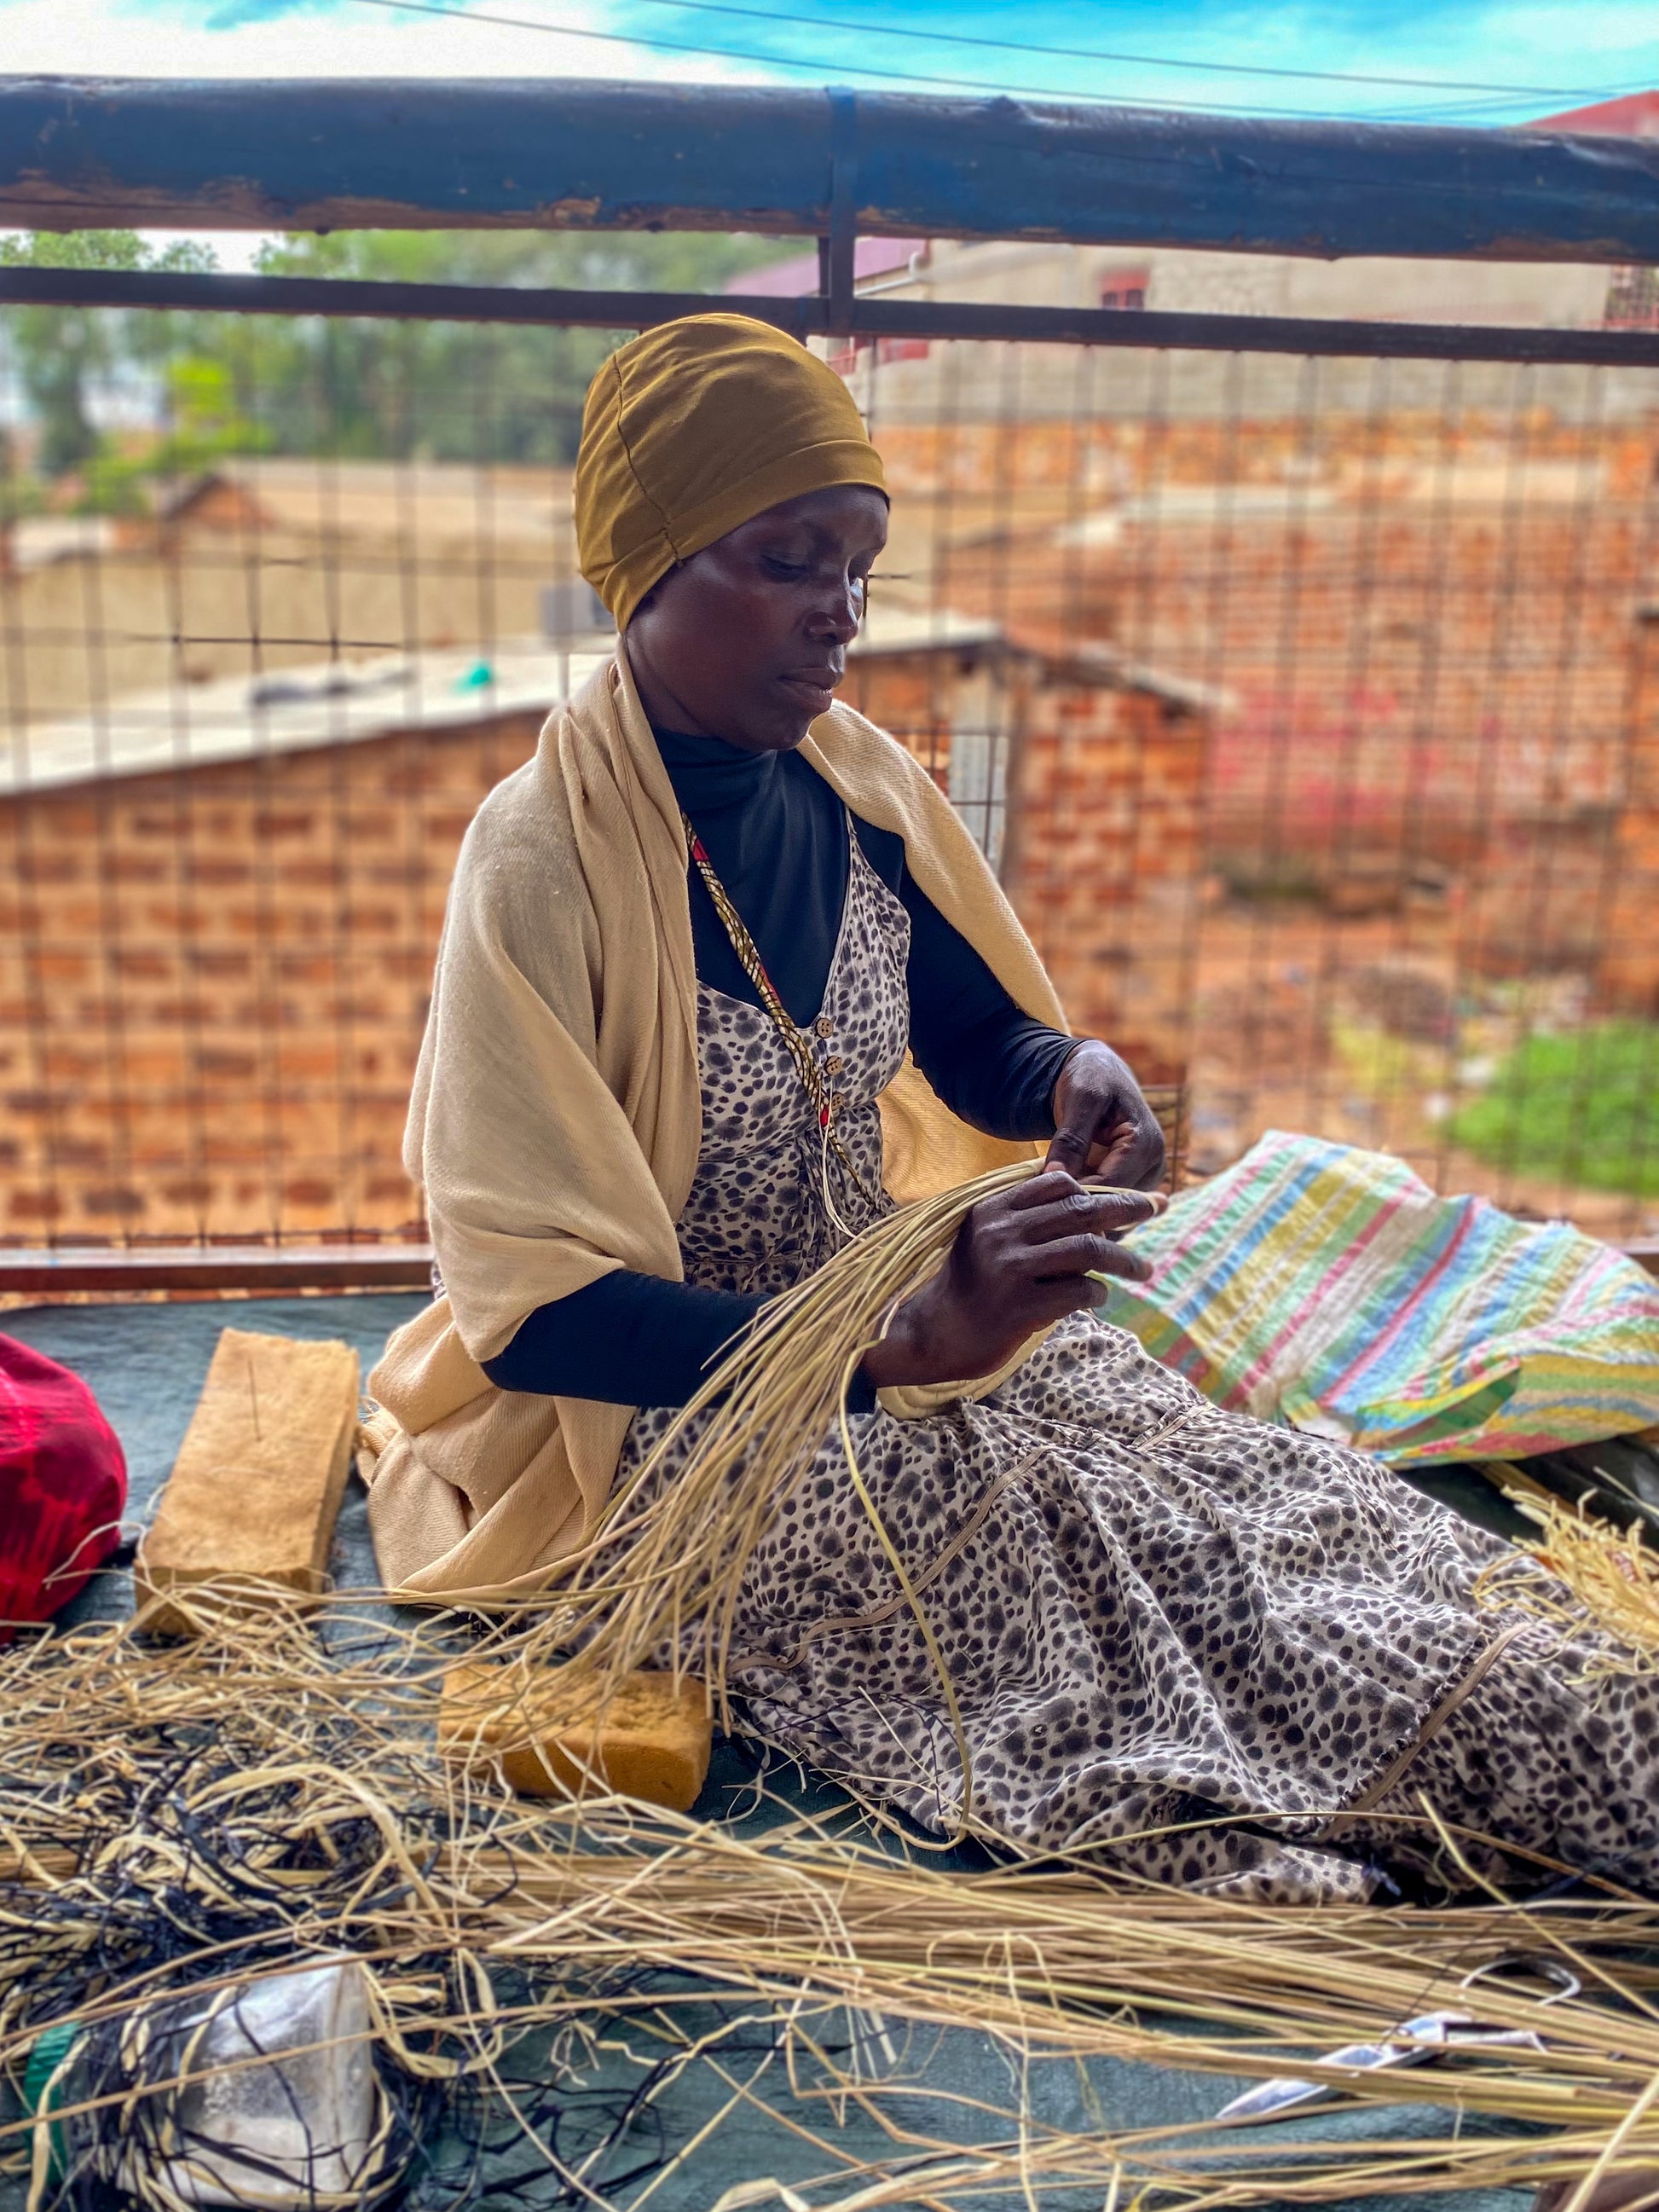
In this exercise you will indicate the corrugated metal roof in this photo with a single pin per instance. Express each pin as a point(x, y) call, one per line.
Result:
point(346, 703)
point(294, 710)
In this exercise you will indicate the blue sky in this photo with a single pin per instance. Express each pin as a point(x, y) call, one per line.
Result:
point(1541, 54)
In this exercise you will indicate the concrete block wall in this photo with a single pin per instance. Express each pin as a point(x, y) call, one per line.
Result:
point(78, 635)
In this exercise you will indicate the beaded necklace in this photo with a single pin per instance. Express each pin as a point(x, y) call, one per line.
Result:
point(824, 1101)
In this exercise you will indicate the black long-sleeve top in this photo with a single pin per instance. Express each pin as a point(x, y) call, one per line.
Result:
point(777, 836)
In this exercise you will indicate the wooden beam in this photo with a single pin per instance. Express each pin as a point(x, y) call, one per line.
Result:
point(587, 155)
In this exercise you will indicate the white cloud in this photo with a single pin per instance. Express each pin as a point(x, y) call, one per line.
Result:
point(125, 37)
point(138, 38)
point(1536, 41)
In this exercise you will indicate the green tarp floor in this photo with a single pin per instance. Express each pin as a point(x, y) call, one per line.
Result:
point(146, 1364)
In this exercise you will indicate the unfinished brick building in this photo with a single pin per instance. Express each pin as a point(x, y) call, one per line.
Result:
point(1273, 721)
point(1426, 643)
point(214, 976)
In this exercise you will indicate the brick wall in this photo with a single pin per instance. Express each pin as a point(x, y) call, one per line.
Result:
point(1102, 861)
point(1627, 881)
point(1423, 639)
point(213, 983)
point(1084, 456)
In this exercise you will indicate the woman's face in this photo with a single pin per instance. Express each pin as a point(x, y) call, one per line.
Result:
point(747, 640)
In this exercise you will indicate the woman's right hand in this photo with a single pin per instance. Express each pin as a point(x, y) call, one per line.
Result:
point(1020, 1262)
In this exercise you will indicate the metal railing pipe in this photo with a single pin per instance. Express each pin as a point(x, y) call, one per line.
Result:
point(581, 154)
point(815, 315)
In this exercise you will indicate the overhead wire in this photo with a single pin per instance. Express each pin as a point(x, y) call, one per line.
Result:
point(935, 80)
point(1142, 61)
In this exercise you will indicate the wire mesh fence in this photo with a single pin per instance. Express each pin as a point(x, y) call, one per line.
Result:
point(1309, 708)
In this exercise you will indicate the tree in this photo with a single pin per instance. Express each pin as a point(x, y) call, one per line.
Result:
point(460, 391)
point(62, 352)
point(363, 389)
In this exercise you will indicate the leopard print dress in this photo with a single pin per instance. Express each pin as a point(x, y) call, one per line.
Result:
point(1156, 1616)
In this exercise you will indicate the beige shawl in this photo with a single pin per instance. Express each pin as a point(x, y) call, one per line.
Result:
point(556, 1121)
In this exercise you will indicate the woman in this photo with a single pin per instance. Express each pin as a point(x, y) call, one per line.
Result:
point(687, 948)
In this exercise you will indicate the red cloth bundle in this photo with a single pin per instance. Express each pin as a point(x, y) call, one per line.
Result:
point(63, 1484)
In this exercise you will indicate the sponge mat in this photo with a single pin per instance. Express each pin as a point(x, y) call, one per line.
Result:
point(651, 1740)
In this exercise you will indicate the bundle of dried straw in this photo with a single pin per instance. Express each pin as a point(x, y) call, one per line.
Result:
point(182, 1815)
point(659, 1586)
point(1605, 1579)
point(661, 1581)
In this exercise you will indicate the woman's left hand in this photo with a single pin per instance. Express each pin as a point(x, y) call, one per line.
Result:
point(1103, 1126)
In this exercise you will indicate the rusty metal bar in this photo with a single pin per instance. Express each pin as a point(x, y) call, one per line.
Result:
point(275, 1271)
point(272, 1270)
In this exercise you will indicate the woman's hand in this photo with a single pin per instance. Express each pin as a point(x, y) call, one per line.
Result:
point(1020, 1261)
point(1103, 1126)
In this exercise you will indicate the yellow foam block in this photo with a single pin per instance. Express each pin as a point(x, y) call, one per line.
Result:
point(651, 1740)
point(252, 1501)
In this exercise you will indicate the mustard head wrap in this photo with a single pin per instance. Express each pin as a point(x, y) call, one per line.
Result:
point(694, 427)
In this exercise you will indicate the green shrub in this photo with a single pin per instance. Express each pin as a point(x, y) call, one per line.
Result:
point(1584, 1107)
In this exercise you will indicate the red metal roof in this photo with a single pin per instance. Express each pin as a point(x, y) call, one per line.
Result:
point(1635, 116)
point(792, 279)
